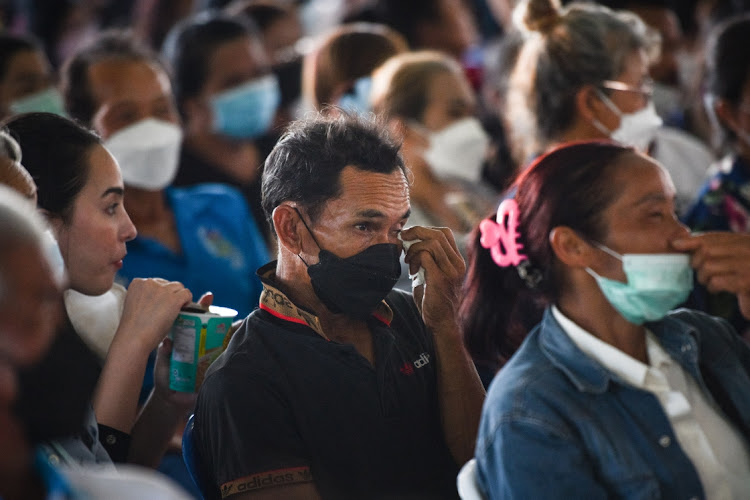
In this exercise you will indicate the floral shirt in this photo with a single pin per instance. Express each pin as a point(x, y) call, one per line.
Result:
point(723, 203)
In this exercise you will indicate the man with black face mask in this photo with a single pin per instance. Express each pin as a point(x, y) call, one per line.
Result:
point(339, 386)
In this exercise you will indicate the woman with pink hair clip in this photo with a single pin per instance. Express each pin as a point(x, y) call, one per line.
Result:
point(614, 394)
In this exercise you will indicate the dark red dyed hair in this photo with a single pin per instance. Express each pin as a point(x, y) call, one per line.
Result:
point(568, 186)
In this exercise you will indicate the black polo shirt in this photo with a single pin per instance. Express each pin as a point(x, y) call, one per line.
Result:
point(284, 405)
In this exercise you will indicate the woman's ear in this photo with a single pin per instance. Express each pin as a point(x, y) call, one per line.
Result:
point(338, 92)
point(397, 128)
point(570, 248)
point(54, 222)
point(286, 223)
point(726, 114)
point(587, 102)
point(414, 137)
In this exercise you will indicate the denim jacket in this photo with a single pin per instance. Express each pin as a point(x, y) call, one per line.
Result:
point(557, 424)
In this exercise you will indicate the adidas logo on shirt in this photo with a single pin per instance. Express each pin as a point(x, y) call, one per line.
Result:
point(420, 362)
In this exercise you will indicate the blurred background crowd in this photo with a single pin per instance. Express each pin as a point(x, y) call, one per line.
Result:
point(449, 63)
point(202, 89)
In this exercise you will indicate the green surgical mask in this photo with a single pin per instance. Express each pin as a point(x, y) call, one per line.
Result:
point(657, 283)
point(48, 100)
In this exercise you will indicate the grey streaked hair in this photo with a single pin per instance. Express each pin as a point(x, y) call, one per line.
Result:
point(20, 224)
point(9, 148)
point(12, 172)
point(565, 49)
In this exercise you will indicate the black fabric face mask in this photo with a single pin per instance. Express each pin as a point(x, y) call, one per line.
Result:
point(55, 394)
point(357, 284)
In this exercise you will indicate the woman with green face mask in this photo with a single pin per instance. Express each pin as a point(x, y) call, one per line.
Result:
point(613, 394)
point(26, 78)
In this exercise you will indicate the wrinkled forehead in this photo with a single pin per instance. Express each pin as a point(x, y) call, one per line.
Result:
point(366, 190)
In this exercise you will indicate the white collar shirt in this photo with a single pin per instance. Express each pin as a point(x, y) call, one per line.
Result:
point(714, 446)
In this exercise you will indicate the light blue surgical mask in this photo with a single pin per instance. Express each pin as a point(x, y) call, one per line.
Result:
point(48, 100)
point(358, 99)
point(657, 283)
point(247, 111)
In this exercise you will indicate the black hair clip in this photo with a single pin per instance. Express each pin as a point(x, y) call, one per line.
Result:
point(529, 274)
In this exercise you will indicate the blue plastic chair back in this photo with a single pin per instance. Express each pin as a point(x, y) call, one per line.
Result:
point(191, 458)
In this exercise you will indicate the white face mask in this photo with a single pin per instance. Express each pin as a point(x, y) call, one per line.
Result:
point(148, 153)
point(636, 129)
point(54, 258)
point(318, 16)
point(458, 150)
point(96, 318)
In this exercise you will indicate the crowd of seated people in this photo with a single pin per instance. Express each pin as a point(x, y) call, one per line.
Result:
point(476, 248)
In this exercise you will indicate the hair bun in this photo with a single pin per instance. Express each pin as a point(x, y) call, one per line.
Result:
point(536, 15)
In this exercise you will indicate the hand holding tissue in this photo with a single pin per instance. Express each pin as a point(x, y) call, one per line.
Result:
point(433, 252)
point(417, 278)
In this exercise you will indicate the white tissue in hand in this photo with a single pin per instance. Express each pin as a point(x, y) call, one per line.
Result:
point(418, 277)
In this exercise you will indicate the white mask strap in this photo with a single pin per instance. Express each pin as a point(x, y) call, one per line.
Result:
point(608, 102)
point(420, 129)
point(608, 250)
point(600, 127)
point(592, 273)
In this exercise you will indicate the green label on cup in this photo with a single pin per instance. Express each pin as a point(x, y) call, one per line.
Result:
point(197, 340)
point(186, 333)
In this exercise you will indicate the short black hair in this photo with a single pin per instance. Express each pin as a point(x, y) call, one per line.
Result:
point(305, 165)
point(262, 13)
point(727, 69)
point(55, 152)
point(190, 45)
point(727, 59)
point(110, 44)
point(10, 45)
point(404, 16)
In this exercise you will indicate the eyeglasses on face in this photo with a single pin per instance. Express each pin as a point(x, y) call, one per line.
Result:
point(646, 88)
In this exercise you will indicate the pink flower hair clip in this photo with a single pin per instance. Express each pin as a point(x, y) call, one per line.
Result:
point(501, 238)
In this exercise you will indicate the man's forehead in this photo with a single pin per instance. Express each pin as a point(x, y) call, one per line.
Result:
point(354, 179)
point(371, 194)
point(353, 173)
